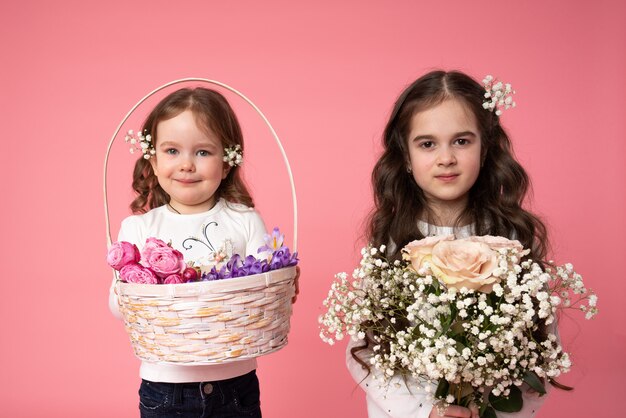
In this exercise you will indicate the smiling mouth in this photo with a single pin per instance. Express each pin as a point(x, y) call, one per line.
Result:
point(186, 181)
point(447, 177)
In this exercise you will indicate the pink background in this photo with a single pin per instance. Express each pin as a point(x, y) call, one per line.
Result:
point(326, 74)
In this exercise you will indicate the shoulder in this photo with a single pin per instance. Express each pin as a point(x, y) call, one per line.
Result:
point(244, 217)
point(240, 211)
point(236, 207)
point(134, 227)
point(143, 218)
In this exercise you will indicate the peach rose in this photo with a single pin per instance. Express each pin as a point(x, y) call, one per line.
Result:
point(465, 263)
point(419, 251)
point(495, 243)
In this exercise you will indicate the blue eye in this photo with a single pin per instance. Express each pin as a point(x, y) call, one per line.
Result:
point(203, 153)
point(171, 151)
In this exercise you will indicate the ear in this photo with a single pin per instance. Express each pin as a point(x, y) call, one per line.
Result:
point(153, 163)
point(225, 170)
point(483, 154)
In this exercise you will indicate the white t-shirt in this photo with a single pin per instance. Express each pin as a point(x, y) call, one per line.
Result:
point(403, 398)
point(228, 228)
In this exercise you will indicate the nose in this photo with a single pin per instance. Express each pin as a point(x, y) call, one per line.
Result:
point(187, 164)
point(446, 156)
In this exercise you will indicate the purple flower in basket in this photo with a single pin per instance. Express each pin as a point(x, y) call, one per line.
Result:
point(283, 258)
point(213, 274)
point(136, 273)
point(293, 259)
point(122, 253)
point(273, 241)
point(252, 265)
point(233, 267)
point(237, 266)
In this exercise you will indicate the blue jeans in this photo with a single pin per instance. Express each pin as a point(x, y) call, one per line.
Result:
point(231, 398)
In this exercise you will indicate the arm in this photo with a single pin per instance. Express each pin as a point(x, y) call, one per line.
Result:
point(399, 398)
point(130, 231)
point(256, 234)
point(255, 231)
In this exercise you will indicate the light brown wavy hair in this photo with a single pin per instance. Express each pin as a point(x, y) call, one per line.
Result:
point(214, 115)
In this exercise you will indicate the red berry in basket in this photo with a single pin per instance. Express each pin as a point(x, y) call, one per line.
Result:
point(190, 274)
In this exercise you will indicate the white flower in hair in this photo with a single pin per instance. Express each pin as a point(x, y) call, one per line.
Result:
point(145, 143)
point(498, 95)
point(233, 155)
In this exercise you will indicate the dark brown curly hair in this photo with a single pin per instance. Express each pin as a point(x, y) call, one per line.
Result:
point(495, 200)
point(215, 116)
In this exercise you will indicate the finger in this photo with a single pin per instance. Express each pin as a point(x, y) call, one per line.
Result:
point(296, 283)
point(458, 411)
point(474, 409)
point(297, 279)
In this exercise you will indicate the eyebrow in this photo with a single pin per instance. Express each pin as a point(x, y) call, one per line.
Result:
point(457, 134)
point(200, 145)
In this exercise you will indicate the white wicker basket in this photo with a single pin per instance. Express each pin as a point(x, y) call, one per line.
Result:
point(213, 321)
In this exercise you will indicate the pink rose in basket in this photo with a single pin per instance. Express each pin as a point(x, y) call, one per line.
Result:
point(419, 251)
point(465, 263)
point(165, 261)
point(151, 244)
point(173, 279)
point(122, 253)
point(136, 273)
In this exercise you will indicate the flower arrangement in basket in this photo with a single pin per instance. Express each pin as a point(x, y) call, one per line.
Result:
point(187, 312)
point(159, 263)
point(470, 320)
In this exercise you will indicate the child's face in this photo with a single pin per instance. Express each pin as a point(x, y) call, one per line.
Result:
point(188, 163)
point(445, 152)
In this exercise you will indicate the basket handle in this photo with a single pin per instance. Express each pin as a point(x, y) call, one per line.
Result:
point(204, 80)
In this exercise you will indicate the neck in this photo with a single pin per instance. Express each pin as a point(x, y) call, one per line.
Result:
point(445, 213)
point(189, 210)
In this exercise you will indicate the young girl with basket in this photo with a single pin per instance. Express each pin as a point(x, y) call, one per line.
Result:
point(190, 194)
point(447, 168)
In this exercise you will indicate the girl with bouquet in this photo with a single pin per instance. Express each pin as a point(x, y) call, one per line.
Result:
point(447, 169)
point(190, 194)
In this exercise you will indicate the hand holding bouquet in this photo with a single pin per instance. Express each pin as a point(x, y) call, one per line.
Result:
point(471, 317)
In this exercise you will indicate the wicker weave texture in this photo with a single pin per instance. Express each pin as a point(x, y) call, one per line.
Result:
point(209, 322)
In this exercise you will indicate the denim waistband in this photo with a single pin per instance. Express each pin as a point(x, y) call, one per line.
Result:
point(218, 388)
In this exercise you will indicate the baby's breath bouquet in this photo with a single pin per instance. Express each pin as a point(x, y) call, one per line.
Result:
point(473, 318)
